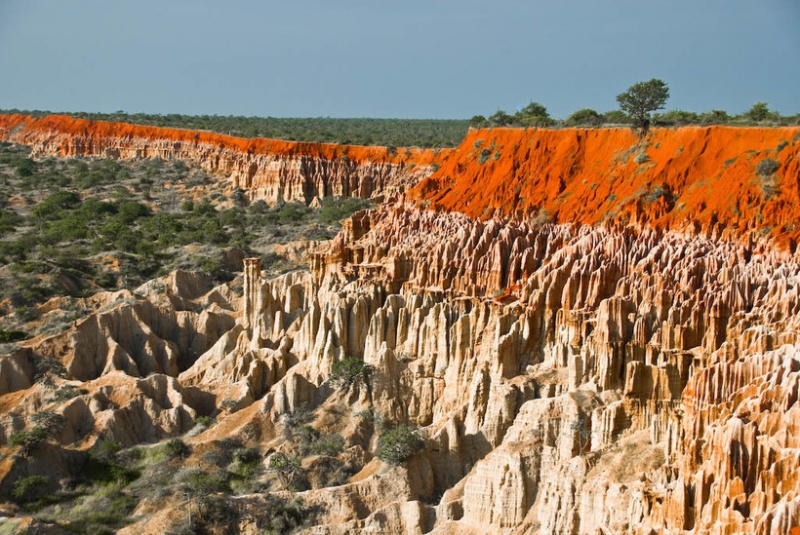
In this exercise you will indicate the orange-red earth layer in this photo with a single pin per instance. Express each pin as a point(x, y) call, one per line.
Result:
point(701, 177)
point(23, 126)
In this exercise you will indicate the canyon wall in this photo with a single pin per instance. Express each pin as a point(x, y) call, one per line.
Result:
point(271, 170)
point(589, 341)
point(711, 177)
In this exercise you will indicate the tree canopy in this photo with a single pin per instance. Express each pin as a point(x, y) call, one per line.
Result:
point(642, 98)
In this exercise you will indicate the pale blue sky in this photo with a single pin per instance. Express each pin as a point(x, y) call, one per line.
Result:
point(414, 59)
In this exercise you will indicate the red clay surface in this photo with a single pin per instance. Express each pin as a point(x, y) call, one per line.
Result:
point(703, 177)
point(26, 126)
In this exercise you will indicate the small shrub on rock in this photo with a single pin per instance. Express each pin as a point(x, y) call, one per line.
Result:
point(176, 448)
point(349, 371)
point(329, 446)
point(30, 488)
point(767, 167)
point(205, 421)
point(286, 467)
point(399, 444)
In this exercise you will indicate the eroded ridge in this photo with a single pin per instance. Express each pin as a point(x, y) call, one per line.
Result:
point(614, 380)
point(270, 170)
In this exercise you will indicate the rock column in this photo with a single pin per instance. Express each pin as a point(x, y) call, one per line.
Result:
point(252, 274)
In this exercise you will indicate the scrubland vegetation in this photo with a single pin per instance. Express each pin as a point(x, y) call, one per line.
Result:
point(534, 114)
point(356, 131)
point(72, 227)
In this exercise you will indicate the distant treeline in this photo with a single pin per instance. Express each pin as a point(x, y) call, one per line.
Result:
point(384, 132)
point(534, 114)
point(420, 132)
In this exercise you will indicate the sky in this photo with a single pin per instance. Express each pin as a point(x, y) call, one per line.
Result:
point(410, 59)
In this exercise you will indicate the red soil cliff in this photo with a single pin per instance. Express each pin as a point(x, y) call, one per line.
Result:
point(706, 176)
point(270, 169)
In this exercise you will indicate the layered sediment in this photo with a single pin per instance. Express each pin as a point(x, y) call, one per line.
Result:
point(267, 169)
point(575, 363)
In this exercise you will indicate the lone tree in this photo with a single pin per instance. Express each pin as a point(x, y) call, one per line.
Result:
point(759, 112)
point(641, 98)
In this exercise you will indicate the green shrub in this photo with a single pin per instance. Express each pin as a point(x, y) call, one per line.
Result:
point(286, 467)
point(617, 117)
point(198, 483)
point(104, 512)
point(500, 118)
point(205, 208)
point(18, 438)
point(247, 455)
point(123, 475)
point(9, 221)
point(767, 167)
point(46, 368)
point(676, 118)
point(397, 445)
point(51, 207)
point(283, 516)
point(131, 211)
point(105, 450)
point(714, 117)
point(27, 441)
point(25, 313)
point(585, 117)
point(367, 415)
point(205, 421)
point(246, 462)
point(292, 212)
point(176, 448)
point(349, 371)
point(329, 446)
point(66, 393)
point(533, 109)
point(11, 336)
point(30, 488)
point(759, 112)
point(335, 209)
point(655, 192)
point(49, 421)
point(25, 167)
point(478, 121)
point(484, 155)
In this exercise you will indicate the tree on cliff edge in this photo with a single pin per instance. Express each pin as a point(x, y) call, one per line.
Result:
point(642, 98)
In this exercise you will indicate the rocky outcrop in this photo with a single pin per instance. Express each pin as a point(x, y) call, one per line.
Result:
point(271, 170)
point(551, 368)
point(118, 366)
